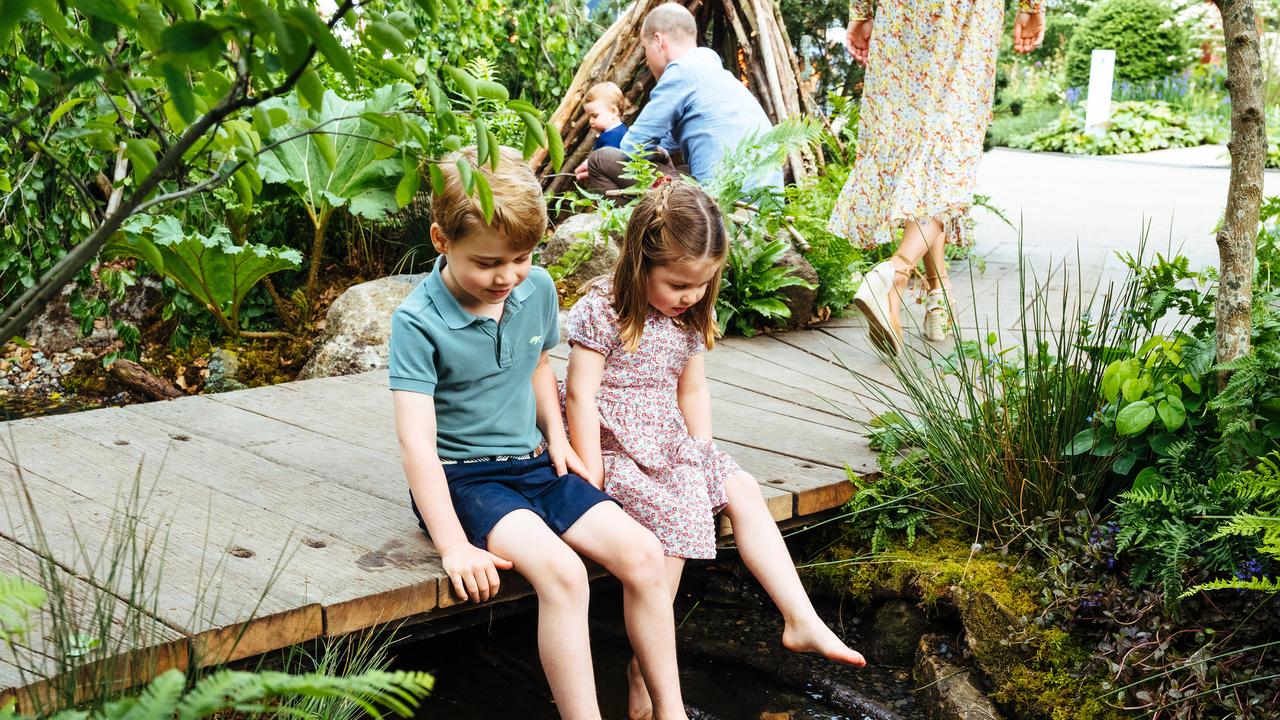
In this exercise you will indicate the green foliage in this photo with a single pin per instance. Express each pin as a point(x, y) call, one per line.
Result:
point(256, 692)
point(743, 169)
point(579, 252)
point(1135, 126)
point(751, 288)
point(351, 162)
point(181, 95)
point(996, 424)
point(18, 599)
point(1260, 487)
point(808, 206)
point(1148, 44)
point(211, 268)
point(887, 506)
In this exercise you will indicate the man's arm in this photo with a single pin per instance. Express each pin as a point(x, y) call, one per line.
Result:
point(661, 114)
point(473, 571)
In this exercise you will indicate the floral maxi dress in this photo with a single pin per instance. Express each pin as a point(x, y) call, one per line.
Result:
point(670, 482)
point(926, 104)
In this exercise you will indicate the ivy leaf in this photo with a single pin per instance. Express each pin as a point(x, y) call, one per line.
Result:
point(1134, 418)
point(1081, 443)
point(1172, 413)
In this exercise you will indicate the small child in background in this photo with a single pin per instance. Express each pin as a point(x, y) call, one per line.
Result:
point(639, 410)
point(604, 112)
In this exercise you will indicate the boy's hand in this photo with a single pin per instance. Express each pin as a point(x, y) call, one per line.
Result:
point(565, 460)
point(474, 572)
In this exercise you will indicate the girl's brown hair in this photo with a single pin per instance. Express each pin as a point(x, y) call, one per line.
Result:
point(676, 221)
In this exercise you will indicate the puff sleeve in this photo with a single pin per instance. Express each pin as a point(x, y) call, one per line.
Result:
point(593, 324)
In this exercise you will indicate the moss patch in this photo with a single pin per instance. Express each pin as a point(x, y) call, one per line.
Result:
point(1036, 673)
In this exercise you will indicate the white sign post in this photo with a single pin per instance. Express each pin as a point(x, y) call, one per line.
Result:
point(1102, 71)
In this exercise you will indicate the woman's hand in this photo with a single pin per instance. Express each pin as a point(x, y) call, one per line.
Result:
point(858, 39)
point(1028, 31)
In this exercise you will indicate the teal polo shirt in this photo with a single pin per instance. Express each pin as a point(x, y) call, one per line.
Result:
point(478, 370)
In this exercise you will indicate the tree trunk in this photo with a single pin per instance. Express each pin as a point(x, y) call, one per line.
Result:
point(749, 36)
point(1248, 146)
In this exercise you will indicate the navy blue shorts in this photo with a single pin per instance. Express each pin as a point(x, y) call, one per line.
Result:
point(485, 492)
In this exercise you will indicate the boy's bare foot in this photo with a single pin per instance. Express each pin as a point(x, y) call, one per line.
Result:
point(815, 637)
point(639, 706)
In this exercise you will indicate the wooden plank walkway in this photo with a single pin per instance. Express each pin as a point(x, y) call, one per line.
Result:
point(280, 514)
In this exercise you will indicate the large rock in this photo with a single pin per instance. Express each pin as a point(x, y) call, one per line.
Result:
point(54, 330)
point(580, 245)
point(948, 690)
point(799, 299)
point(897, 625)
point(358, 328)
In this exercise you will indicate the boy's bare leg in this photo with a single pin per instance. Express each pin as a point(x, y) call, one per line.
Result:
point(639, 704)
point(560, 580)
point(765, 554)
point(632, 554)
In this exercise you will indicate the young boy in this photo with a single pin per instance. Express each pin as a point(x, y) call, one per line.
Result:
point(492, 477)
point(603, 107)
point(604, 112)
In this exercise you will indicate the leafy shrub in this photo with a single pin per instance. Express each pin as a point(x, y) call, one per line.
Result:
point(1134, 127)
point(809, 206)
point(751, 290)
point(994, 423)
point(1148, 44)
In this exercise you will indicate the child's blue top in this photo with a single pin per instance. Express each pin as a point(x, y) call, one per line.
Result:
point(701, 109)
point(611, 137)
point(477, 370)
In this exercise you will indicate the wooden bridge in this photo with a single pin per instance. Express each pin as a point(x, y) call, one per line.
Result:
point(280, 514)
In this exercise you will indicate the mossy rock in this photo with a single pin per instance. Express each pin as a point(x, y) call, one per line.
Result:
point(1035, 672)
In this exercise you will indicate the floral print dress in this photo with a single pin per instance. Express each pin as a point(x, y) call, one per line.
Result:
point(926, 104)
point(669, 481)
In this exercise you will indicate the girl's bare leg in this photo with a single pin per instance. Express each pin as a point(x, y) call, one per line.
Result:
point(766, 555)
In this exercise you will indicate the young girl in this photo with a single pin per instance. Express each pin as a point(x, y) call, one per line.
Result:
point(639, 411)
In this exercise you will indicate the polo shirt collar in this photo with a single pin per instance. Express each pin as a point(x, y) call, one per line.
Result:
point(449, 308)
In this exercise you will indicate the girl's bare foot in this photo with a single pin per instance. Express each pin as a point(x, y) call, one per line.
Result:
point(814, 636)
point(639, 706)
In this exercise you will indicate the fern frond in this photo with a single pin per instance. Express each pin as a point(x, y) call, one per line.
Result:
point(159, 697)
point(235, 690)
point(1262, 584)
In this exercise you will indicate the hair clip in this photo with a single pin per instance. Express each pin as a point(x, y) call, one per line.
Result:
point(662, 180)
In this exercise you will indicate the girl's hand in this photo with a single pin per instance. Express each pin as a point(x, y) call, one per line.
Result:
point(1028, 32)
point(858, 39)
point(473, 572)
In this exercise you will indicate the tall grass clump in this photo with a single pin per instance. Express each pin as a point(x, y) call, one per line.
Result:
point(81, 622)
point(990, 425)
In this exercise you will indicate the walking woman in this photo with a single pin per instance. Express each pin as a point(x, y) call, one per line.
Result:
point(926, 103)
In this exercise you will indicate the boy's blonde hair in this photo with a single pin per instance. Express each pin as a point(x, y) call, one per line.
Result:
point(671, 19)
point(676, 221)
point(607, 92)
point(519, 209)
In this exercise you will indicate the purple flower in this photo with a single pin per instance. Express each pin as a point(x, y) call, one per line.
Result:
point(1248, 569)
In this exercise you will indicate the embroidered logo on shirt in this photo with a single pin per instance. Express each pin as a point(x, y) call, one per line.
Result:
point(535, 339)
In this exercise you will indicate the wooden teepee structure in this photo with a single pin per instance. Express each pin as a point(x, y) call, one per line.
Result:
point(748, 34)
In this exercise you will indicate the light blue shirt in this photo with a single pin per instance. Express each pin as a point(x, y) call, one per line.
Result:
point(477, 370)
point(701, 109)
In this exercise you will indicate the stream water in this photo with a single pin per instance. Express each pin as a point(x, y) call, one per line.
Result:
point(491, 670)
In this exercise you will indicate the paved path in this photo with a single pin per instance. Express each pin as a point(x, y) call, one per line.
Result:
point(1101, 204)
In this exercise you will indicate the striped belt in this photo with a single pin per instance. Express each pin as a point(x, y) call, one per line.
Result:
point(496, 458)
